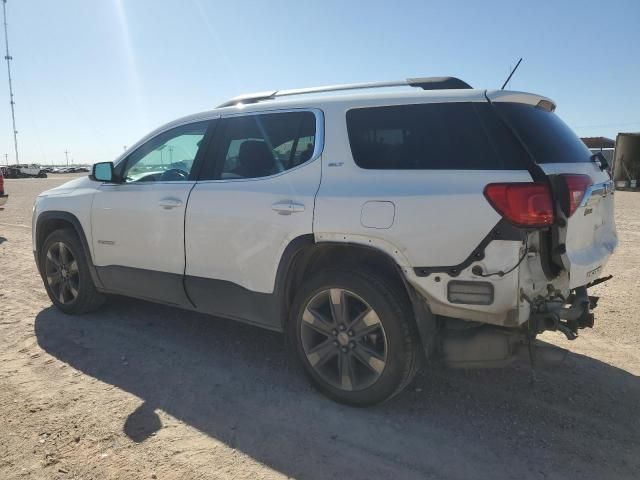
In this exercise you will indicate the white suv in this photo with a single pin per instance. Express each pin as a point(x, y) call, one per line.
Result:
point(378, 227)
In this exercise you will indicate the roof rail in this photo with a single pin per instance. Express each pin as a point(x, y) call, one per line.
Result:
point(426, 83)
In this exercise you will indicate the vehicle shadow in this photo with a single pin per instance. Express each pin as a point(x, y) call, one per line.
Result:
point(233, 382)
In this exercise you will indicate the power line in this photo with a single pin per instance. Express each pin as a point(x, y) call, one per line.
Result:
point(8, 58)
point(603, 125)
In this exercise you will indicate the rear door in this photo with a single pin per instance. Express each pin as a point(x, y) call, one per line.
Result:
point(582, 188)
point(255, 195)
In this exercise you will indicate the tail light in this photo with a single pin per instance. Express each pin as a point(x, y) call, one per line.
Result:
point(523, 204)
point(576, 186)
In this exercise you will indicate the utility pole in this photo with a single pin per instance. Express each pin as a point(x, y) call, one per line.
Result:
point(66, 154)
point(161, 149)
point(8, 58)
point(6, 158)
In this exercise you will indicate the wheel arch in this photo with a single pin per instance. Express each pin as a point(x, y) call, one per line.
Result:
point(52, 220)
point(304, 257)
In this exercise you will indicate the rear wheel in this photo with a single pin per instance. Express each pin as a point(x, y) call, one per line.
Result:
point(66, 273)
point(355, 336)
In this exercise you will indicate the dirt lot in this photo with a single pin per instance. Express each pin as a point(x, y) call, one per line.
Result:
point(144, 391)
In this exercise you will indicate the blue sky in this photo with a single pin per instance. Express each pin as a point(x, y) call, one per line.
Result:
point(93, 76)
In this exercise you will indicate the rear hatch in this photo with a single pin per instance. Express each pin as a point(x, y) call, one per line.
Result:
point(584, 234)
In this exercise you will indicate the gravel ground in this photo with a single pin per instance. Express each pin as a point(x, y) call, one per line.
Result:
point(138, 390)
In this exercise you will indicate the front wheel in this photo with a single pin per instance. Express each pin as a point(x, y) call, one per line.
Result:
point(66, 274)
point(355, 336)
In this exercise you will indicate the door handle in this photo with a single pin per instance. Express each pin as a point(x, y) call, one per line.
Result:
point(169, 203)
point(287, 207)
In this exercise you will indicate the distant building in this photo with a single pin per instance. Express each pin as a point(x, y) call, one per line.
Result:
point(623, 155)
point(598, 142)
point(603, 145)
point(627, 159)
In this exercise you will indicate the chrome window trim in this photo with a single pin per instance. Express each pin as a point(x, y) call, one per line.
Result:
point(159, 131)
point(317, 148)
point(596, 191)
point(173, 182)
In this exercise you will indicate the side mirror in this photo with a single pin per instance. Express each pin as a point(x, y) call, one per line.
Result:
point(102, 172)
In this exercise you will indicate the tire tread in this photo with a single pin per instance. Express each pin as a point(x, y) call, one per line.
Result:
point(400, 305)
point(90, 299)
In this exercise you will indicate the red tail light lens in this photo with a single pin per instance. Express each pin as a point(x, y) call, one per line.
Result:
point(523, 204)
point(576, 187)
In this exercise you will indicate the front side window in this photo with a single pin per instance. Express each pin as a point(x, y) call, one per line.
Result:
point(167, 157)
point(254, 146)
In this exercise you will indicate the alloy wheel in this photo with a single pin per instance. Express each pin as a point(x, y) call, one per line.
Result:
point(62, 274)
point(343, 339)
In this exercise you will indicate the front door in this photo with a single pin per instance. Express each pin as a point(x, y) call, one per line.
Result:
point(138, 225)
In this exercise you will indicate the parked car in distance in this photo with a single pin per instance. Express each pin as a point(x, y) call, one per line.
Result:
point(3, 196)
point(71, 169)
point(24, 171)
point(377, 228)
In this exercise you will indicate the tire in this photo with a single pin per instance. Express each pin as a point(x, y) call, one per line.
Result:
point(377, 362)
point(58, 268)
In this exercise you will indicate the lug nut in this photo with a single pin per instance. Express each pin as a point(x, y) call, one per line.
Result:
point(335, 344)
point(341, 327)
point(344, 349)
point(351, 334)
point(334, 332)
point(352, 344)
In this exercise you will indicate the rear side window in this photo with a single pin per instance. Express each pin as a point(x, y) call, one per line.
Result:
point(548, 138)
point(260, 145)
point(436, 136)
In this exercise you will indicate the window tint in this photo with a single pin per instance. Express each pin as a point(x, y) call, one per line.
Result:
point(432, 136)
point(548, 138)
point(260, 145)
point(503, 141)
point(167, 157)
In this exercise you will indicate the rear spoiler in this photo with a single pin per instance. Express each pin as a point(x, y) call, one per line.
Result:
point(521, 97)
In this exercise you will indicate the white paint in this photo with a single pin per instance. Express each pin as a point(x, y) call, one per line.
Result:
point(377, 214)
point(233, 232)
point(237, 229)
point(145, 234)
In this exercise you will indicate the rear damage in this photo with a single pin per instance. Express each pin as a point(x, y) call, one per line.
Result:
point(537, 295)
point(567, 260)
point(528, 279)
